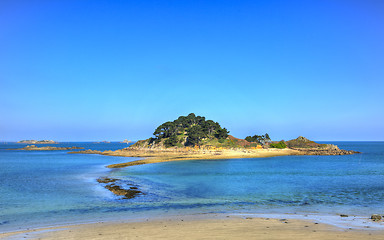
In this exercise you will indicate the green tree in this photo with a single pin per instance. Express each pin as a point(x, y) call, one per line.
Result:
point(165, 130)
point(267, 137)
point(249, 139)
point(210, 127)
point(171, 141)
point(195, 127)
point(222, 133)
point(195, 134)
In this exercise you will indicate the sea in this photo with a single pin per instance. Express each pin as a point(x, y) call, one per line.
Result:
point(53, 188)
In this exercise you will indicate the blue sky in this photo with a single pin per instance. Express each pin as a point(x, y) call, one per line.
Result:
point(110, 70)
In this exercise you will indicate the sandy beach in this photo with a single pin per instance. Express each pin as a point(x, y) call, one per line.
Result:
point(202, 227)
point(157, 156)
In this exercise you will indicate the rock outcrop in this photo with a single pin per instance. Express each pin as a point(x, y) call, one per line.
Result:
point(307, 147)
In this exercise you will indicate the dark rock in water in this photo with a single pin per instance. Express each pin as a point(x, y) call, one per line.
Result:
point(106, 180)
point(343, 215)
point(127, 193)
point(117, 189)
point(376, 217)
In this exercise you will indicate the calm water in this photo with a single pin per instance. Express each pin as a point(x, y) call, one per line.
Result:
point(45, 188)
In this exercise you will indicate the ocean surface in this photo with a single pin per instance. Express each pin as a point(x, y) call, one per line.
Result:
point(45, 188)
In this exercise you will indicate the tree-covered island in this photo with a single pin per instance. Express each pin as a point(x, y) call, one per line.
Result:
point(193, 137)
point(196, 132)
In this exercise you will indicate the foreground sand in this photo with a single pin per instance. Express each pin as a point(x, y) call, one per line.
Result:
point(232, 227)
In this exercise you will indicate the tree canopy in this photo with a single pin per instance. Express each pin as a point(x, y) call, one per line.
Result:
point(194, 127)
point(261, 139)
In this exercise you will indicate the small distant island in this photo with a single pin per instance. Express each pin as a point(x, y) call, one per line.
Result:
point(45, 148)
point(126, 141)
point(193, 137)
point(37, 141)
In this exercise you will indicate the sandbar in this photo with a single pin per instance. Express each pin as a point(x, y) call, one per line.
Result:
point(157, 156)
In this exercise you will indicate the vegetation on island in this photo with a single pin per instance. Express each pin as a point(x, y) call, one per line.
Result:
point(189, 130)
point(280, 144)
point(197, 131)
point(193, 131)
point(302, 142)
point(261, 139)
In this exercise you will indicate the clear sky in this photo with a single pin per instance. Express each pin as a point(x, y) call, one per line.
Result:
point(110, 70)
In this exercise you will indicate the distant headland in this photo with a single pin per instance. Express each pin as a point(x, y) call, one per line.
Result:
point(37, 141)
point(45, 148)
point(193, 137)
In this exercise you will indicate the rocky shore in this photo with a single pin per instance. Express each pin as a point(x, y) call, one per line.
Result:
point(45, 148)
point(309, 151)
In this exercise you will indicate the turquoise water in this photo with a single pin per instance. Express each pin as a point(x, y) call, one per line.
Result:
point(46, 188)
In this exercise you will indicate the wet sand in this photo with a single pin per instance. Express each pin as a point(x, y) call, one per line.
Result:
point(202, 227)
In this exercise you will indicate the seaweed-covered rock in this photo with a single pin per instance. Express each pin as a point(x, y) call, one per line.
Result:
point(376, 217)
point(106, 180)
point(127, 193)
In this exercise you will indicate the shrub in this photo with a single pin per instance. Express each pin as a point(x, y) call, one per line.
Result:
point(280, 144)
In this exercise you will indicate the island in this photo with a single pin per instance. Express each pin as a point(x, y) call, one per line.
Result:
point(193, 137)
point(45, 148)
point(37, 141)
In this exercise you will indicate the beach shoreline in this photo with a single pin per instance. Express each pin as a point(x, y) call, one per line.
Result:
point(215, 226)
point(149, 156)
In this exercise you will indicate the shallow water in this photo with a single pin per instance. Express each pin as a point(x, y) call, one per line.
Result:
point(47, 188)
